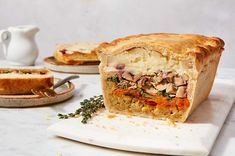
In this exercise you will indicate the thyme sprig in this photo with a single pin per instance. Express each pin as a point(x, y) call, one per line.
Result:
point(88, 108)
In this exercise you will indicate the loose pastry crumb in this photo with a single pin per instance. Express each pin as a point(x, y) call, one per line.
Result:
point(111, 115)
point(128, 116)
point(171, 122)
point(59, 154)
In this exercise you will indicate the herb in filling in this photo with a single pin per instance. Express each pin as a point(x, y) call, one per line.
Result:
point(113, 79)
point(165, 94)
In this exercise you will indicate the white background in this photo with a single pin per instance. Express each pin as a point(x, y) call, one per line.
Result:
point(103, 20)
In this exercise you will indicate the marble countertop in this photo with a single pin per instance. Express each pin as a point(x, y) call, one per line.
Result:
point(23, 132)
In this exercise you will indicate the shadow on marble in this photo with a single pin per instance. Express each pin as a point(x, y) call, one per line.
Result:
point(224, 144)
point(74, 149)
point(78, 95)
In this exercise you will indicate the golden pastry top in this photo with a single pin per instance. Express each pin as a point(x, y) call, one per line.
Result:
point(168, 44)
point(81, 47)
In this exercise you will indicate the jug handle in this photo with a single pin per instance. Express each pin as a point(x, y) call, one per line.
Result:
point(4, 39)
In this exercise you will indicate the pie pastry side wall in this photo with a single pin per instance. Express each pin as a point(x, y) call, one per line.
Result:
point(203, 85)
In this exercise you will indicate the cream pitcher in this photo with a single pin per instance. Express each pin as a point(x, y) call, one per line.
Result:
point(19, 44)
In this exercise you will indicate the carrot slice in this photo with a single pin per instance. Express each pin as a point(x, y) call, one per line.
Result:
point(156, 100)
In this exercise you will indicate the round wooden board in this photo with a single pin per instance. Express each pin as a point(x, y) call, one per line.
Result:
point(86, 68)
point(64, 92)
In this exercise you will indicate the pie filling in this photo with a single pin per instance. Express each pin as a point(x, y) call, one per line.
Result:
point(23, 71)
point(167, 90)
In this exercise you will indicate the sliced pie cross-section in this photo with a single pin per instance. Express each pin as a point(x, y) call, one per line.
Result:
point(162, 76)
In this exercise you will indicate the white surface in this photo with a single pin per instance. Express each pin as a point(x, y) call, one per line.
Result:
point(23, 132)
point(104, 20)
point(195, 137)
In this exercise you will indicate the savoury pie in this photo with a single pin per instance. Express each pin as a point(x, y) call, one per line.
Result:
point(76, 53)
point(21, 81)
point(162, 76)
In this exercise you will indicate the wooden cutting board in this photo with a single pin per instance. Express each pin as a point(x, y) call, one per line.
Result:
point(194, 137)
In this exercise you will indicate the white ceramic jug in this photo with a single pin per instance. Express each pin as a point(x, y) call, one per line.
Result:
point(19, 44)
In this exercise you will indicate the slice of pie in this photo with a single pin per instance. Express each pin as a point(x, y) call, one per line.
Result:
point(163, 76)
point(76, 53)
point(21, 81)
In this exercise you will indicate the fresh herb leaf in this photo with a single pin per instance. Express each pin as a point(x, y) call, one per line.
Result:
point(143, 93)
point(165, 94)
point(113, 79)
point(87, 109)
point(62, 116)
point(168, 97)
